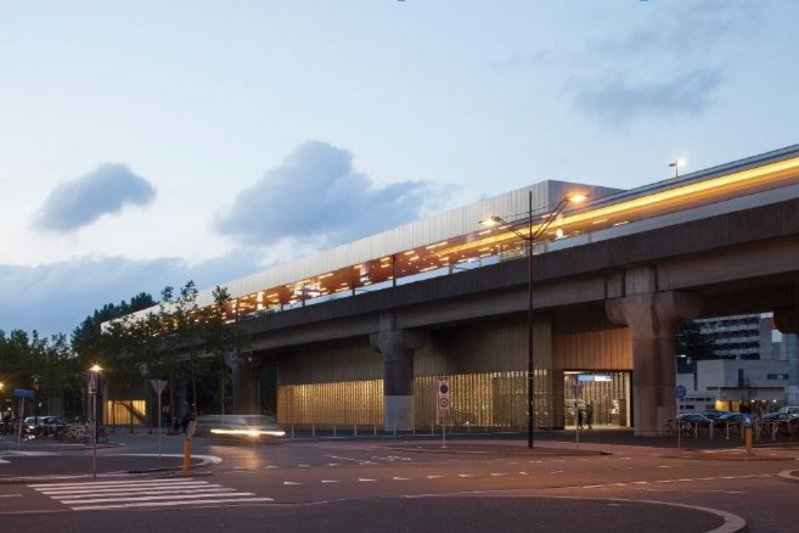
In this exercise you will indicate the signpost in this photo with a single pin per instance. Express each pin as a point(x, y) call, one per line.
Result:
point(22, 394)
point(679, 393)
point(443, 404)
point(158, 386)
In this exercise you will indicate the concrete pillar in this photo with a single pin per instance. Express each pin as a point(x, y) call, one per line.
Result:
point(787, 321)
point(397, 348)
point(246, 385)
point(652, 319)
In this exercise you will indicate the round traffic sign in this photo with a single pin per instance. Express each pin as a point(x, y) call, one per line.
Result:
point(443, 402)
point(679, 392)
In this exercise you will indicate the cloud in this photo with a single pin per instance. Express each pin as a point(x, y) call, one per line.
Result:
point(56, 297)
point(78, 203)
point(619, 100)
point(316, 195)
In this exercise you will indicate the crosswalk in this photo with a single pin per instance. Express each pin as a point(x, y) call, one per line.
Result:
point(143, 493)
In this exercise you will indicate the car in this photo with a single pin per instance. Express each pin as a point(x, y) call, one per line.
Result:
point(715, 414)
point(695, 417)
point(780, 417)
point(257, 428)
point(732, 418)
point(52, 424)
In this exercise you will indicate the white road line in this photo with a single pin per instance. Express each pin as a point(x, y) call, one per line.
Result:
point(143, 493)
point(523, 474)
point(365, 479)
point(497, 474)
point(171, 504)
point(292, 483)
point(171, 497)
point(466, 475)
point(434, 477)
point(330, 481)
point(10, 495)
point(395, 478)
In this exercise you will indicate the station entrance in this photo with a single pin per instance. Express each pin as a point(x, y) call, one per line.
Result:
point(604, 397)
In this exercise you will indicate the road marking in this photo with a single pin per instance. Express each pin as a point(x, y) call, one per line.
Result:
point(523, 474)
point(104, 495)
point(352, 459)
point(10, 495)
point(292, 483)
point(557, 471)
point(395, 478)
point(434, 477)
point(365, 479)
point(497, 474)
point(466, 475)
point(330, 481)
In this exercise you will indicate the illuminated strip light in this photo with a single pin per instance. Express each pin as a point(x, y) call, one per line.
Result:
point(744, 177)
point(248, 432)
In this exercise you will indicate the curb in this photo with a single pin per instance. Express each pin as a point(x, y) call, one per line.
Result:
point(789, 476)
point(725, 455)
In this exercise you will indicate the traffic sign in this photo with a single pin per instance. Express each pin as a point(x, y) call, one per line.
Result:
point(92, 382)
point(158, 385)
point(680, 392)
point(443, 395)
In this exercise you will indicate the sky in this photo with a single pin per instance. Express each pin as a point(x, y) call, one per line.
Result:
point(144, 144)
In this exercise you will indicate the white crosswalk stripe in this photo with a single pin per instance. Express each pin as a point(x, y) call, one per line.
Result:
point(102, 495)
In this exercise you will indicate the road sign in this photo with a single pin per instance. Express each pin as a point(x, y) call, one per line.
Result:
point(158, 385)
point(92, 382)
point(680, 392)
point(443, 395)
point(24, 393)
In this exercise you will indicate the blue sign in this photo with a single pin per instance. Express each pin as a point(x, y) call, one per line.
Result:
point(24, 393)
point(680, 392)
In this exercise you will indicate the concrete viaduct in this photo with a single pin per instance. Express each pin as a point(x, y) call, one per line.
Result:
point(635, 288)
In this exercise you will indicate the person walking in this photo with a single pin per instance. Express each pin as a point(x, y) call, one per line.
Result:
point(579, 418)
point(589, 415)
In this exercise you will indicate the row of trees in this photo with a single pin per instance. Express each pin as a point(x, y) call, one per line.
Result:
point(178, 341)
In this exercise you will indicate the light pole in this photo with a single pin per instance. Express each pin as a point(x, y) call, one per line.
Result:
point(94, 373)
point(533, 234)
point(676, 164)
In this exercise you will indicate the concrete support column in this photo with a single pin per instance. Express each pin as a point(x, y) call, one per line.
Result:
point(397, 348)
point(652, 319)
point(246, 385)
point(787, 321)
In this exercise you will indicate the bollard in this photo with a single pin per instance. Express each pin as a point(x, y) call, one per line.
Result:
point(748, 439)
point(334, 430)
point(187, 455)
point(395, 430)
point(355, 430)
point(432, 429)
point(292, 431)
point(374, 429)
point(313, 430)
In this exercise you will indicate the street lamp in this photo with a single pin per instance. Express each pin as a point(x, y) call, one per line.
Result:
point(533, 234)
point(94, 373)
point(676, 164)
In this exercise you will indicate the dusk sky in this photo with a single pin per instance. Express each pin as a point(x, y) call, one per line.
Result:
point(148, 143)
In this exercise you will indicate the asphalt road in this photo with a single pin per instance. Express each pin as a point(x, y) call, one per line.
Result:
point(397, 485)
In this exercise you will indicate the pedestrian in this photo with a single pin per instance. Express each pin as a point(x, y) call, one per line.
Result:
point(579, 418)
point(589, 415)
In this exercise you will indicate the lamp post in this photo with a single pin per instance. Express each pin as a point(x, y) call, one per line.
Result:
point(533, 234)
point(676, 164)
point(94, 373)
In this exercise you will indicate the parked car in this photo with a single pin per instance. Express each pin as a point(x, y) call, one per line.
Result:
point(715, 414)
point(731, 418)
point(695, 417)
point(780, 417)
